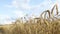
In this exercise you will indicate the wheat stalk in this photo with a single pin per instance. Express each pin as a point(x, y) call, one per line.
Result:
point(57, 9)
point(46, 22)
point(47, 11)
point(53, 9)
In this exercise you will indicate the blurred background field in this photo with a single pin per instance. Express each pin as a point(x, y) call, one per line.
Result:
point(47, 23)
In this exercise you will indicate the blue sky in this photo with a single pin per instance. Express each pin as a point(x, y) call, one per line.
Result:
point(19, 8)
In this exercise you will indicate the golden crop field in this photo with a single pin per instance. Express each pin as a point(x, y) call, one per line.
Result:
point(47, 23)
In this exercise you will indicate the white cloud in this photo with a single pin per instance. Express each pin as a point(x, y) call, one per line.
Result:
point(24, 4)
point(15, 4)
point(19, 13)
point(21, 4)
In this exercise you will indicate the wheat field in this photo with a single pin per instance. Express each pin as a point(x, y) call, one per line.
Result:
point(47, 23)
